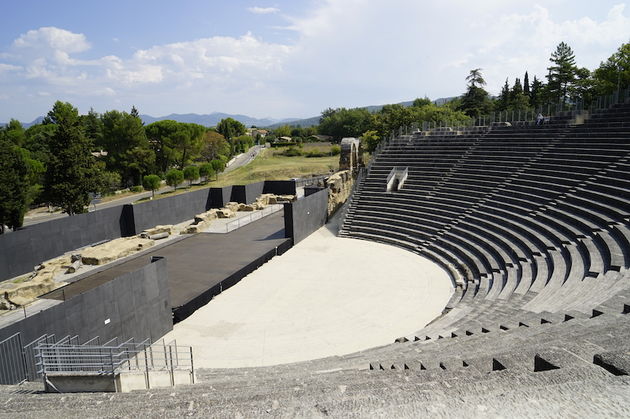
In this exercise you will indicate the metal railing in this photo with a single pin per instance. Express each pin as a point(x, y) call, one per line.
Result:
point(12, 365)
point(564, 109)
point(253, 216)
point(113, 359)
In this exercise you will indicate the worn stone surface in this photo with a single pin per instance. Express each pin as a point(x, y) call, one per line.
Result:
point(114, 249)
point(157, 230)
point(340, 187)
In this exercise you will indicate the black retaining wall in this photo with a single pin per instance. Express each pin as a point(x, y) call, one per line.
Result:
point(304, 216)
point(280, 187)
point(220, 196)
point(21, 250)
point(170, 210)
point(137, 305)
point(246, 194)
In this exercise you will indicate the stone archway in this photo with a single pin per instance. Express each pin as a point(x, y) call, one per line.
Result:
point(350, 157)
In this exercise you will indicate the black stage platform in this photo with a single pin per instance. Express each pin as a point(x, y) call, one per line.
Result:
point(202, 265)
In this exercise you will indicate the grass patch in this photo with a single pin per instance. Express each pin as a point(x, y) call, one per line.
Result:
point(266, 166)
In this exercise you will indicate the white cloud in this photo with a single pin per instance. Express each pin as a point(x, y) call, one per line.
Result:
point(263, 10)
point(342, 53)
point(53, 38)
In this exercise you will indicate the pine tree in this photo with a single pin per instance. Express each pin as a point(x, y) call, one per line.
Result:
point(72, 172)
point(535, 94)
point(476, 101)
point(526, 89)
point(562, 73)
point(504, 98)
point(14, 186)
point(518, 100)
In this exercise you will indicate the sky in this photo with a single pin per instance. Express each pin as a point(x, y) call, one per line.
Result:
point(282, 58)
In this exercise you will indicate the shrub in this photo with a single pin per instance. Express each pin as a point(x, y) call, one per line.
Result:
point(335, 150)
point(191, 173)
point(136, 188)
point(205, 171)
point(290, 152)
point(151, 183)
point(174, 177)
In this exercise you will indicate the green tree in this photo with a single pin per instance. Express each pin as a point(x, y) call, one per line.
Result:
point(503, 101)
point(342, 122)
point(420, 102)
point(72, 172)
point(151, 183)
point(370, 140)
point(562, 73)
point(218, 165)
point(13, 185)
point(110, 182)
point(174, 177)
point(191, 173)
point(519, 102)
point(536, 93)
point(282, 131)
point(205, 171)
point(175, 143)
point(214, 145)
point(526, 85)
point(614, 73)
point(128, 150)
point(93, 127)
point(476, 101)
point(230, 127)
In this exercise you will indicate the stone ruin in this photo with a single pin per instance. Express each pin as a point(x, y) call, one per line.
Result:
point(339, 189)
point(351, 156)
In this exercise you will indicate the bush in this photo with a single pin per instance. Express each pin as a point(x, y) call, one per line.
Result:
point(110, 182)
point(151, 183)
point(136, 188)
point(335, 150)
point(174, 177)
point(316, 153)
point(205, 171)
point(191, 173)
point(290, 152)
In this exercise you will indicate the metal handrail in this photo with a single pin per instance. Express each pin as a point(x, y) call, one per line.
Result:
point(253, 216)
point(112, 359)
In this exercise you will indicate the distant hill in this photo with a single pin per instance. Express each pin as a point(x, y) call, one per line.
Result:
point(210, 120)
point(309, 122)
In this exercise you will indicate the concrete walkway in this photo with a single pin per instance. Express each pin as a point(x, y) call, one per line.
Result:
point(326, 296)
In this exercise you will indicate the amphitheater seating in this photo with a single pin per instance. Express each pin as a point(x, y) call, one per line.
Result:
point(532, 223)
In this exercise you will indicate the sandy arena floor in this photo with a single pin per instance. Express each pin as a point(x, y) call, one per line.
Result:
point(326, 296)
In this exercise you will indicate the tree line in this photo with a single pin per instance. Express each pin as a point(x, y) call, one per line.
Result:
point(69, 157)
point(567, 85)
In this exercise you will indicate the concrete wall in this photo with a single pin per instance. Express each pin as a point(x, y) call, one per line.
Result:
point(280, 187)
point(246, 194)
point(137, 305)
point(170, 210)
point(220, 196)
point(306, 215)
point(21, 250)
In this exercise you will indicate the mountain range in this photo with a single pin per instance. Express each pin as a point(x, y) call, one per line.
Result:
point(210, 120)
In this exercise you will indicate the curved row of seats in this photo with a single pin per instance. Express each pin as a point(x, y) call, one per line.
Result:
point(535, 215)
point(531, 223)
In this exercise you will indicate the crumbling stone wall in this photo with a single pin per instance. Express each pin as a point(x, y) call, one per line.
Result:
point(339, 188)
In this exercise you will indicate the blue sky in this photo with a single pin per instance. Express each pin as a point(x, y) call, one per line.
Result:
point(282, 58)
